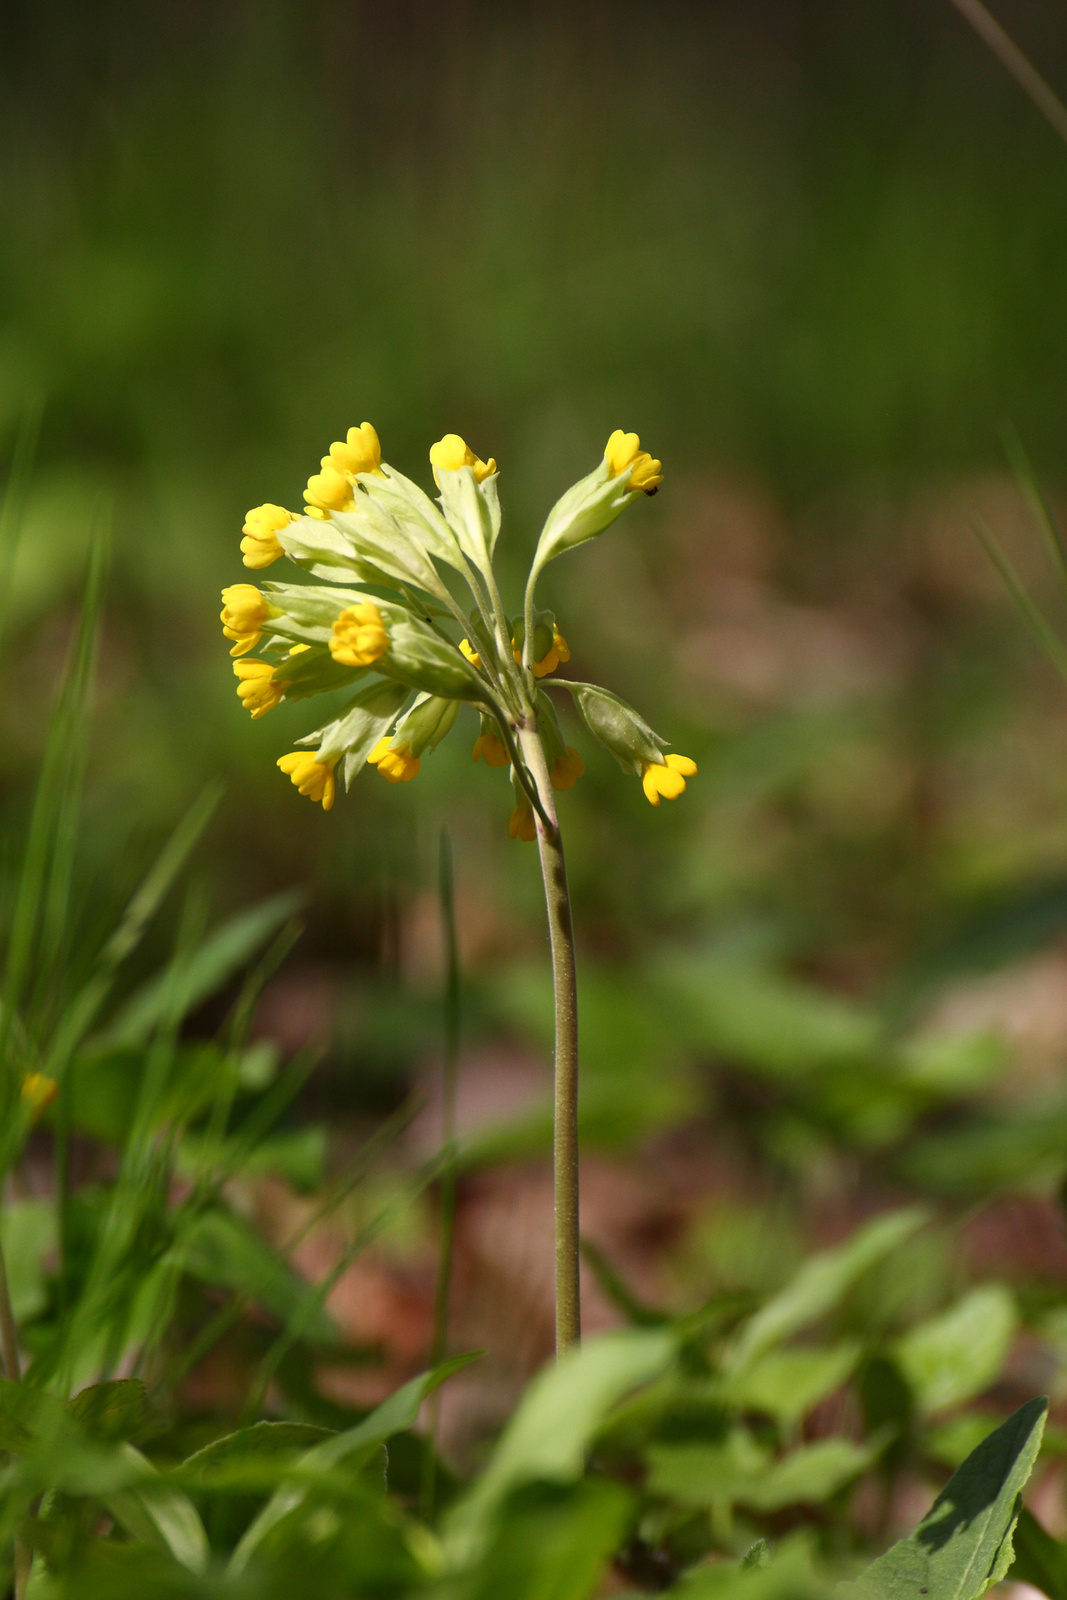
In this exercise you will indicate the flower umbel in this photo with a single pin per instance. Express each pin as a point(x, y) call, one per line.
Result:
point(624, 450)
point(311, 777)
point(358, 636)
point(666, 781)
point(452, 452)
point(261, 545)
point(256, 686)
point(244, 614)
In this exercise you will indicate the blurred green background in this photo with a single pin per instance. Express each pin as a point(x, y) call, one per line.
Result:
point(815, 254)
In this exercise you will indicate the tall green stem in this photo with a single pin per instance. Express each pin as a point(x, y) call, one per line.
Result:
point(9, 1344)
point(565, 987)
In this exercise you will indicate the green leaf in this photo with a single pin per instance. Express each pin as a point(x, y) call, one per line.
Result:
point(956, 1355)
point(786, 1384)
point(552, 1543)
point(249, 1457)
point(821, 1284)
point(1040, 1559)
point(964, 1543)
point(157, 1513)
point(222, 1250)
point(28, 1231)
point(549, 1434)
point(739, 1472)
point(354, 1446)
point(112, 1410)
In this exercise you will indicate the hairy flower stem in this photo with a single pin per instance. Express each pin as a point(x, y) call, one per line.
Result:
point(565, 987)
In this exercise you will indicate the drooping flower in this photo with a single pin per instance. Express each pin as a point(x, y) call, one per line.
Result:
point(559, 651)
point(452, 452)
point(666, 781)
point(566, 769)
point(257, 688)
point(521, 824)
point(358, 636)
point(313, 778)
point(490, 749)
point(328, 490)
point(260, 545)
point(244, 612)
point(396, 766)
point(471, 654)
point(624, 450)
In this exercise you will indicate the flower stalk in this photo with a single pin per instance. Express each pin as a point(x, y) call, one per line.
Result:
point(391, 561)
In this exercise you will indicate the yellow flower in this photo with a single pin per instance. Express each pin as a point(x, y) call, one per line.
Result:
point(397, 766)
point(260, 545)
point(667, 781)
point(491, 750)
point(522, 824)
point(244, 611)
point(624, 450)
point(38, 1093)
point(452, 452)
point(298, 649)
point(559, 650)
point(566, 769)
point(313, 778)
point(359, 636)
point(471, 654)
point(328, 490)
point(361, 452)
point(256, 687)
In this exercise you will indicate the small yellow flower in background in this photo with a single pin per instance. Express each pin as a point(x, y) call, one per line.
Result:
point(566, 769)
point(256, 686)
point(666, 781)
point(360, 452)
point(327, 491)
point(491, 750)
point(397, 766)
point(522, 824)
point(38, 1092)
point(452, 452)
point(260, 545)
point(624, 450)
point(359, 636)
point(311, 777)
point(244, 612)
point(471, 654)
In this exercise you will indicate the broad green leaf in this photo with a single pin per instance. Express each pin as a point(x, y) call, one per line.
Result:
point(112, 1410)
point(239, 1459)
point(155, 1512)
point(354, 1446)
point(28, 1232)
point(786, 1384)
point(549, 1434)
point(956, 1355)
point(552, 1543)
point(739, 1472)
point(964, 1543)
point(215, 960)
point(1040, 1559)
point(821, 1284)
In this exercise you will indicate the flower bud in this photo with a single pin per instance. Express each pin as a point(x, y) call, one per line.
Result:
point(358, 636)
point(244, 613)
point(595, 501)
point(426, 724)
point(618, 727)
point(361, 452)
point(451, 453)
point(256, 686)
point(425, 660)
point(260, 545)
point(311, 777)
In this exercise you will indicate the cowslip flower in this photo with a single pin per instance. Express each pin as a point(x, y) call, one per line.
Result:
point(312, 777)
point(471, 654)
point(359, 452)
point(261, 545)
point(358, 637)
point(521, 824)
point(245, 611)
point(452, 452)
point(490, 749)
point(566, 769)
point(328, 490)
point(624, 450)
point(666, 781)
point(256, 686)
point(396, 766)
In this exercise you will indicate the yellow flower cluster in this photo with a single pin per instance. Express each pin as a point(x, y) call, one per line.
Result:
point(624, 450)
point(358, 636)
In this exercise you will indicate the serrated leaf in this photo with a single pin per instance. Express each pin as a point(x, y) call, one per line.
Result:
point(964, 1543)
point(954, 1356)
